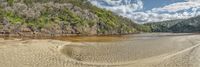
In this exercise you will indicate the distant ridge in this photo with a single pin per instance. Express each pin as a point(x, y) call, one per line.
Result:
point(178, 26)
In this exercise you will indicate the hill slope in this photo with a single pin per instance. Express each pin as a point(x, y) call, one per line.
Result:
point(179, 26)
point(60, 17)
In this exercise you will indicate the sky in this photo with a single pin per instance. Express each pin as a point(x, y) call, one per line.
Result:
point(143, 11)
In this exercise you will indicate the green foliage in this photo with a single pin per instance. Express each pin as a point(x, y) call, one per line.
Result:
point(13, 18)
point(1, 14)
point(1, 26)
point(10, 16)
point(28, 2)
point(10, 2)
point(1, 17)
point(144, 28)
point(162, 26)
point(106, 21)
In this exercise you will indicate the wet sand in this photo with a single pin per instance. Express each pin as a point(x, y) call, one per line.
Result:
point(141, 50)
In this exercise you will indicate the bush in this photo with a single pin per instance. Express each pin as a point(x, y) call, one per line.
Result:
point(81, 16)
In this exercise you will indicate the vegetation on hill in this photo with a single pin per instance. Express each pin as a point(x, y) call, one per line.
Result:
point(60, 17)
point(178, 26)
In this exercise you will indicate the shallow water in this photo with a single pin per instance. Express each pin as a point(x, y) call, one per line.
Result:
point(110, 38)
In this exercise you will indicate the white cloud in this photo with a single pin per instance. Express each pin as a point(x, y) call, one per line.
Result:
point(171, 11)
point(193, 0)
point(129, 9)
point(119, 6)
point(143, 17)
point(178, 6)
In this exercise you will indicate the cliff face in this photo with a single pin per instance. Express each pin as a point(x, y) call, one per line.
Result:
point(60, 17)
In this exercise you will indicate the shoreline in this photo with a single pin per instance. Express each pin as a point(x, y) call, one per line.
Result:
point(67, 37)
point(91, 35)
point(63, 35)
point(96, 38)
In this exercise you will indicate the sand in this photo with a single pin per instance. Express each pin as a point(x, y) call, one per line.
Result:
point(133, 51)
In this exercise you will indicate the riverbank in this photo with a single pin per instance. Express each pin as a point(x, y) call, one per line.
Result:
point(95, 38)
point(31, 34)
point(142, 50)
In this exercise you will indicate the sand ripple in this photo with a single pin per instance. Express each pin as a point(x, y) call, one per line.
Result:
point(175, 51)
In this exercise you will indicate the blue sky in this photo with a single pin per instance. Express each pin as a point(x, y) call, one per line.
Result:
point(143, 11)
point(150, 4)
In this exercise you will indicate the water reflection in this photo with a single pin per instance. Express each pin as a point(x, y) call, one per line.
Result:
point(114, 38)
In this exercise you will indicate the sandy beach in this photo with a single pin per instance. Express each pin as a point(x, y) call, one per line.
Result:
point(145, 50)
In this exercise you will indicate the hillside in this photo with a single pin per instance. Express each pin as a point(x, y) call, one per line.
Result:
point(61, 17)
point(178, 26)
